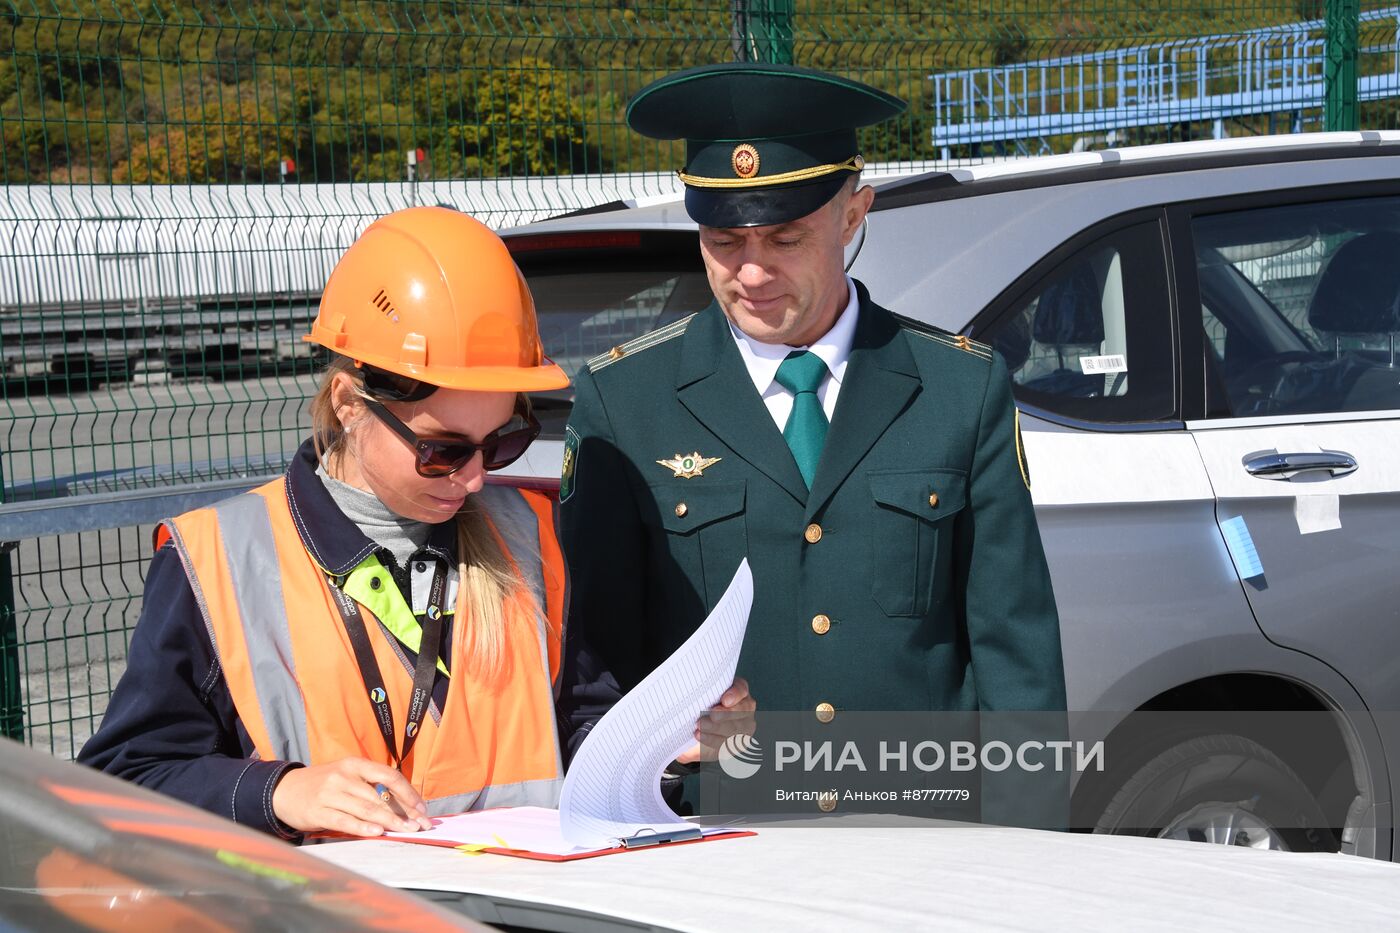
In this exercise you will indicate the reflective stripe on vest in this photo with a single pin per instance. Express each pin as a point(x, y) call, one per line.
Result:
point(292, 673)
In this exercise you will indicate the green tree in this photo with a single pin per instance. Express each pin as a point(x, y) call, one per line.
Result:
point(525, 123)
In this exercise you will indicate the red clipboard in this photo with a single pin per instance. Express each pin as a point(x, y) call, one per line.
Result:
point(572, 857)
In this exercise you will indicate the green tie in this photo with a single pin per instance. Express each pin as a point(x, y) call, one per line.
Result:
point(801, 373)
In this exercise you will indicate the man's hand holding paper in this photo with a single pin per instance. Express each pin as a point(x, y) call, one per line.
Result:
point(732, 715)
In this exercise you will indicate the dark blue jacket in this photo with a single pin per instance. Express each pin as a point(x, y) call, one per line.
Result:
point(171, 723)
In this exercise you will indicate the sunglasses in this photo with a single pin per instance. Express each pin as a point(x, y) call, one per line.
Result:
point(499, 449)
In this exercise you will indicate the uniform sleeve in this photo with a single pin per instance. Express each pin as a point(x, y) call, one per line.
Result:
point(604, 544)
point(589, 690)
point(171, 725)
point(1013, 628)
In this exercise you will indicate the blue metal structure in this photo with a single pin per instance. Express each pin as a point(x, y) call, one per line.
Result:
point(1209, 79)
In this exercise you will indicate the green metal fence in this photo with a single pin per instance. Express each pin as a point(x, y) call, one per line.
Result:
point(181, 174)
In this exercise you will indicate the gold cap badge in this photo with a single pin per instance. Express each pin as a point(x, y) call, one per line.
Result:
point(745, 160)
point(689, 466)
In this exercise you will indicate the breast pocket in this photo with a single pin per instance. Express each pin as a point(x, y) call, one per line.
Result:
point(913, 520)
point(704, 531)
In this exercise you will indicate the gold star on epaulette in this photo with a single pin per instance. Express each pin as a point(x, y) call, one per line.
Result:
point(689, 466)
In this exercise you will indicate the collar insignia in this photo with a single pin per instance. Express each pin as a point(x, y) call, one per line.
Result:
point(689, 466)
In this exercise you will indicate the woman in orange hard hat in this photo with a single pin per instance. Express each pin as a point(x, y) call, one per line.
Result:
point(377, 635)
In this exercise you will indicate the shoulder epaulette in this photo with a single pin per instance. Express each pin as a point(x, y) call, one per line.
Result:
point(636, 345)
point(938, 335)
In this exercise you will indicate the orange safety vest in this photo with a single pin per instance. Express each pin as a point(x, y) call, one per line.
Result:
point(290, 667)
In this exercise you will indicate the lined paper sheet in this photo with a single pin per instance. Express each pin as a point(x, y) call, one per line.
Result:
point(535, 829)
point(613, 788)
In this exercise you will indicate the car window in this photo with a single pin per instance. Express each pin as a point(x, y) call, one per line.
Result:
point(1092, 338)
point(589, 301)
point(1301, 307)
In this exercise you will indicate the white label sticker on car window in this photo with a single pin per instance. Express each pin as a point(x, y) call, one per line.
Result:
point(1114, 363)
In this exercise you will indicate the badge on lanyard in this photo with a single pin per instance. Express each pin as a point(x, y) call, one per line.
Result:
point(423, 671)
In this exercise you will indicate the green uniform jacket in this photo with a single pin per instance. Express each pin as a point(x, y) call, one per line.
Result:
point(928, 564)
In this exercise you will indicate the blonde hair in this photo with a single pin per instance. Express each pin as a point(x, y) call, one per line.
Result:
point(487, 577)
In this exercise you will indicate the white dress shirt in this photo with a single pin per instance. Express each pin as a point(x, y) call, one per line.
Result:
point(834, 348)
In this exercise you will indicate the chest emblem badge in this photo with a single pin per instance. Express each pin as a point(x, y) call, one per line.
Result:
point(689, 466)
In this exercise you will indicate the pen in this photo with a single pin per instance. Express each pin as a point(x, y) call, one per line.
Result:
point(395, 807)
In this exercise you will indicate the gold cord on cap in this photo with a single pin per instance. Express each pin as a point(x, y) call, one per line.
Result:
point(854, 164)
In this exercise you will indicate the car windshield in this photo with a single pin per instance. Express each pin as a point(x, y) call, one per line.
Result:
point(592, 299)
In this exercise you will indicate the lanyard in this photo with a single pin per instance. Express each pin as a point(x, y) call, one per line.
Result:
point(423, 671)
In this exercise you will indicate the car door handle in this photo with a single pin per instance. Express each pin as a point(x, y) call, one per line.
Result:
point(1287, 466)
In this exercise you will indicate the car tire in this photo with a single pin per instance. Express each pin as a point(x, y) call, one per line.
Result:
point(1225, 789)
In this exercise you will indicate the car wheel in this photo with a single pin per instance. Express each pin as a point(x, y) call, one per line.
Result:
point(1224, 789)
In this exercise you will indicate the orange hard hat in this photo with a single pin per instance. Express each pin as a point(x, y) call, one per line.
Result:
point(432, 294)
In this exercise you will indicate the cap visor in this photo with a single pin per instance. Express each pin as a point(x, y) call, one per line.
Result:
point(506, 379)
point(760, 207)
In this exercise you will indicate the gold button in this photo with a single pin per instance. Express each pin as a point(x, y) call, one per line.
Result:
point(681, 510)
point(813, 534)
point(821, 624)
point(826, 803)
point(933, 499)
point(825, 712)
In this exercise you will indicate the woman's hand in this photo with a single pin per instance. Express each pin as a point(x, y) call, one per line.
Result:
point(732, 715)
point(340, 797)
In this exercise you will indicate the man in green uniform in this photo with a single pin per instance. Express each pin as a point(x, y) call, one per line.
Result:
point(868, 466)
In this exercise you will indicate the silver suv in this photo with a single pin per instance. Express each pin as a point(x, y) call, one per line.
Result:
point(1202, 338)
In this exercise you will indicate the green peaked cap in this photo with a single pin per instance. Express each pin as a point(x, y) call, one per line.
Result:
point(765, 144)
